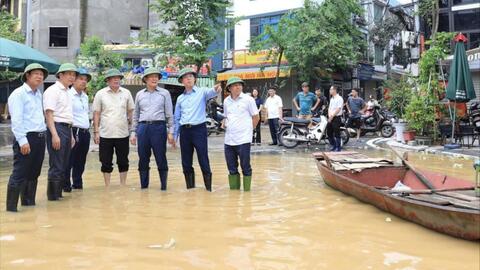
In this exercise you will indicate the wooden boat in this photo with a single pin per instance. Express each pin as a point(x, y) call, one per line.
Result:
point(451, 207)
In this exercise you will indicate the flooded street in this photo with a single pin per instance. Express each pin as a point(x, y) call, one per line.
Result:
point(290, 220)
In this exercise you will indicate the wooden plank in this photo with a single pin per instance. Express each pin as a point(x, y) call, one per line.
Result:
point(459, 203)
point(428, 199)
point(460, 196)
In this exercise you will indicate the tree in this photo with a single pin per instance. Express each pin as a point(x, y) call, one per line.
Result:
point(96, 58)
point(9, 30)
point(317, 37)
point(429, 11)
point(194, 25)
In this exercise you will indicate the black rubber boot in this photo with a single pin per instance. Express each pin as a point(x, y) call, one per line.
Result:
point(59, 188)
point(207, 179)
point(54, 189)
point(163, 179)
point(144, 178)
point(29, 193)
point(12, 198)
point(189, 179)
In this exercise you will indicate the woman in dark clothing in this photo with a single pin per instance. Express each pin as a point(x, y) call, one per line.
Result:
point(257, 134)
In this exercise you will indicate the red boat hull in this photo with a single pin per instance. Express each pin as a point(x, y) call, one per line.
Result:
point(461, 223)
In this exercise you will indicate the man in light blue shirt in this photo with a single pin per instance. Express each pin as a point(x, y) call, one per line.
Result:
point(80, 130)
point(190, 117)
point(28, 127)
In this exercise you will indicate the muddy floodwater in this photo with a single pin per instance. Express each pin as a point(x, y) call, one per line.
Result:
point(290, 220)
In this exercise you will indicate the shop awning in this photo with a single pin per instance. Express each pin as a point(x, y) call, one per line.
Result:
point(254, 73)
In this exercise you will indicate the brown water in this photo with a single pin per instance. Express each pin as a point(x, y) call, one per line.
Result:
point(290, 220)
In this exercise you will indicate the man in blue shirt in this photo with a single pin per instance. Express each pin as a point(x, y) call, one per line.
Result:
point(80, 130)
point(28, 127)
point(305, 102)
point(190, 117)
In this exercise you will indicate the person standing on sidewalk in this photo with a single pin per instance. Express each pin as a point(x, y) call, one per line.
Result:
point(57, 104)
point(152, 126)
point(257, 132)
point(28, 128)
point(112, 117)
point(241, 116)
point(305, 102)
point(80, 130)
point(274, 106)
point(190, 118)
point(356, 106)
point(335, 110)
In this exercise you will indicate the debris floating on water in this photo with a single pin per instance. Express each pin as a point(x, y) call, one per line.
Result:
point(388, 219)
point(457, 165)
point(46, 226)
point(8, 237)
point(169, 245)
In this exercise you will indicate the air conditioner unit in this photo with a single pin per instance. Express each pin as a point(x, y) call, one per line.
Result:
point(228, 54)
point(146, 62)
point(227, 64)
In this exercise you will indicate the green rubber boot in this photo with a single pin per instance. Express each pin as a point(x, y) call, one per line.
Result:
point(234, 181)
point(247, 181)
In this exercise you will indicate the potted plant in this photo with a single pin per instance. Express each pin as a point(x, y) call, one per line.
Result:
point(399, 95)
point(420, 116)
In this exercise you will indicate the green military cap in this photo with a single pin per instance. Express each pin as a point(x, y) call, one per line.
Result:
point(32, 67)
point(150, 71)
point(66, 67)
point(184, 72)
point(84, 72)
point(113, 73)
point(234, 80)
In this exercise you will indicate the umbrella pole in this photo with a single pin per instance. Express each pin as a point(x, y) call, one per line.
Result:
point(453, 122)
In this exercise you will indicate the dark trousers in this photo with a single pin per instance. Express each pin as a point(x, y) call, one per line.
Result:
point(26, 168)
point(121, 147)
point(274, 127)
point(59, 160)
point(194, 138)
point(257, 134)
point(235, 152)
point(333, 130)
point(152, 137)
point(78, 158)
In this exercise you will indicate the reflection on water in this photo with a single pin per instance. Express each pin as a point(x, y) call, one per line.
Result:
point(290, 220)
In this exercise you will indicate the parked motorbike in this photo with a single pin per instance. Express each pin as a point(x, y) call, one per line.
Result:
point(215, 117)
point(378, 119)
point(294, 131)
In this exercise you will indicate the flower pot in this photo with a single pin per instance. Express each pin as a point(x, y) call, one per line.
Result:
point(409, 135)
point(399, 129)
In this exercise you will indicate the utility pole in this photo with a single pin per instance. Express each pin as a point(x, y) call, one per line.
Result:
point(28, 39)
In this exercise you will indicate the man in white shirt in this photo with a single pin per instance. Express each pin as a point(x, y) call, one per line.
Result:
point(80, 130)
point(57, 105)
point(274, 107)
point(335, 111)
point(241, 116)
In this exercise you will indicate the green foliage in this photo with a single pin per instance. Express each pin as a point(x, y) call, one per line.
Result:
point(383, 32)
point(400, 95)
point(194, 25)
point(8, 30)
point(94, 57)
point(316, 37)
point(428, 10)
point(420, 113)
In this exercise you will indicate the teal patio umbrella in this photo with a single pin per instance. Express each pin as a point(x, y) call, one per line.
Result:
point(15, 56)
point(460, 84)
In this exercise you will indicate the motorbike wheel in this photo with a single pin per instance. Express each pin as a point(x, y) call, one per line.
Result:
point(387, 131)
point(345, 136)
point(288, 143)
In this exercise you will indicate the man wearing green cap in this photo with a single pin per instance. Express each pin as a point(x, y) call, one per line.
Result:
point(241, 116)
point(152, 125)
point(112, 119)
point(28, 127)
point(190, 118)
point(80, 130)
point(57, 105)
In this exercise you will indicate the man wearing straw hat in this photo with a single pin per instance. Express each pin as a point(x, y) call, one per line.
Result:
point(80, 130)
point(152, 126)
point(112, 119)
point(241, 116)
point(57, 105)
point(28, 127)
point(190, 118)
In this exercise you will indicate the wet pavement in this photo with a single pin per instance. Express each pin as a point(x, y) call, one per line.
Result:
point(290, 220)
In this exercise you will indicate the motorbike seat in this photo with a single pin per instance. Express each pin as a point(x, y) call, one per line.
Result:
point(297, 120)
